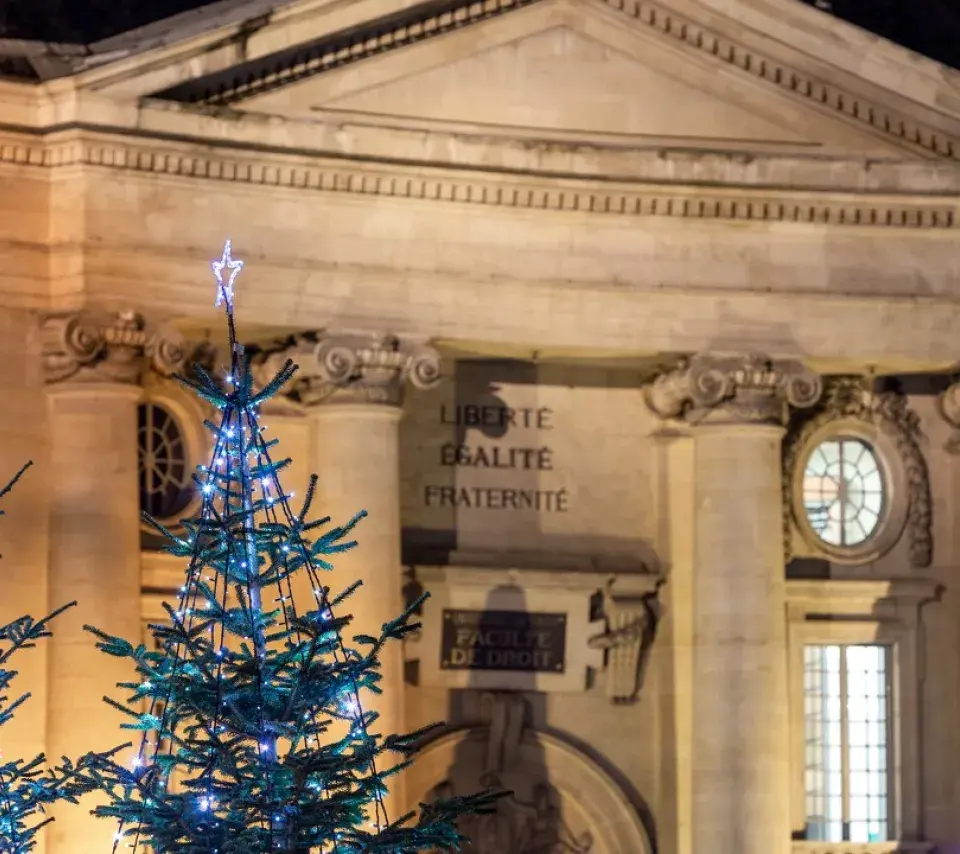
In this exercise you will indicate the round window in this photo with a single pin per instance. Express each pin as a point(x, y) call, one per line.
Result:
point(165, 484)
point(844, 492)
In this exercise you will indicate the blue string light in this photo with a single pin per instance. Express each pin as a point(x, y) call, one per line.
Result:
point(242, 695)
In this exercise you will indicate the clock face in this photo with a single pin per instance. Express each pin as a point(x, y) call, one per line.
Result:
point(843, 492)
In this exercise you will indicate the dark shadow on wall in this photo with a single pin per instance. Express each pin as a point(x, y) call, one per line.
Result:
point(500, 751)
point(487, 438)
point(575, 553)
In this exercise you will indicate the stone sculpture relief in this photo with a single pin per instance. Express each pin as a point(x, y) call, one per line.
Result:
point(529, 822)
point(518, 826)
point(949, 404)
point(889, 412)
point(631, 625)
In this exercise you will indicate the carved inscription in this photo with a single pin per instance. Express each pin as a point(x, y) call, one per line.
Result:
point(520, 457)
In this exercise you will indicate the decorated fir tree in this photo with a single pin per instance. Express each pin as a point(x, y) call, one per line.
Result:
point(26, 787)
point(254, 738)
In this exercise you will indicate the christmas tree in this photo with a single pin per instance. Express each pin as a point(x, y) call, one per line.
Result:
point(254, 736)
point(26, 787)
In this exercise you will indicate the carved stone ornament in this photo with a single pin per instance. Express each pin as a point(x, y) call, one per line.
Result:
point(504, 713)
point(737, 389)
point(631, 625)
point(950, 410)
point(531, 819)
point(110, 347)
point(854, 399)
point(350, 368)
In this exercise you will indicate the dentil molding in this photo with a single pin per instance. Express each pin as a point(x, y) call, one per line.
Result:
point(204, 161)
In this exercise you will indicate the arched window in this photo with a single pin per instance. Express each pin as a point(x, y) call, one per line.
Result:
point(166, 488)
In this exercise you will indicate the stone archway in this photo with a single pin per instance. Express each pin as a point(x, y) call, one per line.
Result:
point(564, 803)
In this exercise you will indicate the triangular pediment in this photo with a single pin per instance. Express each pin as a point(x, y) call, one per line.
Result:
point(675, 71)
point(578, 66)
point(561, 79)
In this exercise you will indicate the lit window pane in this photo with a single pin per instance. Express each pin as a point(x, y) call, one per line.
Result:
point(843, 492)
point(846, 742)
point(829, 452)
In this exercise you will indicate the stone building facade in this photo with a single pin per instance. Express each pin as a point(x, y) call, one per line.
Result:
point(631, 323)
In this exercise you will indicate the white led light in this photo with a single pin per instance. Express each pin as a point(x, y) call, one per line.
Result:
point(225, 290)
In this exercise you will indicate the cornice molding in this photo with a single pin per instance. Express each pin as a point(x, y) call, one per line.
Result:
point(479, 188)
point(857, 596)
point(763, 67)
point(337, 50)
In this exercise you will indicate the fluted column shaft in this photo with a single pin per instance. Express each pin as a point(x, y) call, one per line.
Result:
point(94, 560)
point(351, 388)
point(356, 456)
point(94, 554)
point(741, 740)
point(740, 750)
point(93, 367)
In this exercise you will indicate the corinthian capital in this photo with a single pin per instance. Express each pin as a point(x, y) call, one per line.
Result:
point(107, 347)
point(351, 368)
point(734, 389)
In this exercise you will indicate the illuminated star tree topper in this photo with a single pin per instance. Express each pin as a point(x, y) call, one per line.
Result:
point(254, 739)
point(225, 289)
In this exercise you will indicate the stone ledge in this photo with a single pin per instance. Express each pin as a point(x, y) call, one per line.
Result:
point(892, 847)
point(490, 189)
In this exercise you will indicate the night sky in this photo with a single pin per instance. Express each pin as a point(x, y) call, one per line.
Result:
point(929, 27)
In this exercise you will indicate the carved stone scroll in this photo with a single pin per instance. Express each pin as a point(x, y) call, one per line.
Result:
point(733, 389)
point(351, 368)
point(107, 347)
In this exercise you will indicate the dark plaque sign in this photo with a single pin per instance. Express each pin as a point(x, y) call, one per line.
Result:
point(503, 640)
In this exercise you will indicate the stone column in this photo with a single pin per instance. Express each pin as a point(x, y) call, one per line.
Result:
point(740, 752)
point(93, 367)
point(351, 389)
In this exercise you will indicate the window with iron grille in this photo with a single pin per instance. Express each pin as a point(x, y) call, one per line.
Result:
point(848, 742)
